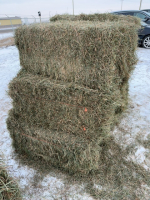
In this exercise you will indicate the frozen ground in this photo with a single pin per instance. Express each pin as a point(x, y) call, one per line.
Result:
point(6, 39)
point(133, 129)
point(6, 35)
point(135, 126)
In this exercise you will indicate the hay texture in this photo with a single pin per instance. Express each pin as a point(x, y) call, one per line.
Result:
point(86, 53)
point(67, 108)
point(60, 149)
point(71, 90)
point(104, 17)
point(8, 187)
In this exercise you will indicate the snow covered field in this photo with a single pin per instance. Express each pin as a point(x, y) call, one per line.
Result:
point(6, 35)
point(133, 129)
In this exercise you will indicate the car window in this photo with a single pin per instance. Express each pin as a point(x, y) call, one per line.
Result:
point(130, 13)
point(118, 13)
point(140, 15)
point(123, 13)
point(115, 13)
point(126, 13)
point(147, 11)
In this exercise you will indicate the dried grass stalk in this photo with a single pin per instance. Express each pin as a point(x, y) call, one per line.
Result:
point(8, 187)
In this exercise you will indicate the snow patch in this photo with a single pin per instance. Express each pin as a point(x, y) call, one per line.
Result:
point(6, 35)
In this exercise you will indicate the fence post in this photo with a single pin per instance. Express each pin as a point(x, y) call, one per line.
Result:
point(73, 6)
point(10, 22)
point(140, 5)
point(39, 14)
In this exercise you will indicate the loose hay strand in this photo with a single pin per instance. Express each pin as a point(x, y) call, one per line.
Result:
point(8, 187)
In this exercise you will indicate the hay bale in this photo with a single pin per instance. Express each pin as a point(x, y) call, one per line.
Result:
point(8, 187)
point(86, 53)
point(78, 118)
point(71, 90)
point(66, 108)
point(102, 17)
point(64, 151)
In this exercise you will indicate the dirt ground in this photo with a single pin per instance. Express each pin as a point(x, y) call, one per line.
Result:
point(7, 42)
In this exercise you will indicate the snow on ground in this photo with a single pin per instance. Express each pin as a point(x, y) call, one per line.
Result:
point(135, 125)
point(6, 35)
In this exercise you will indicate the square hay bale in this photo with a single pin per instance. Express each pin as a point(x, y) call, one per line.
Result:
point(66, 108)
point(101, 17)
point(56, 112)
point(67, 152)
point(86, 53)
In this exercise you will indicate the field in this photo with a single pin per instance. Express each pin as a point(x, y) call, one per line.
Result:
point(132, 135)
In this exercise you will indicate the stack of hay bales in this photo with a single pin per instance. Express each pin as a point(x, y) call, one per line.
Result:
point(71, 89)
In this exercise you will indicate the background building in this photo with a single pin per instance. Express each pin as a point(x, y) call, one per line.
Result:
point(10, 21)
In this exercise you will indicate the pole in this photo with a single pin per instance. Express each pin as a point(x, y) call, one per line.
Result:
point(39, 13)
point(10, 22)
point(121, 4)
point(73, 6)
point(140, 5)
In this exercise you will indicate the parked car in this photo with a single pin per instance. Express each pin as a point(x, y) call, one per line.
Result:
point(143, 33)
point(147, 10)
point(144, 16)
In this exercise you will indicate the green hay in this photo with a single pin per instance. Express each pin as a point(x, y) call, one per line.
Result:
point(8, 187)
point(68, 67)
point(116, 177)
point(71, 90)
point(85, 53)
point(119, 178)
point(64, 151)
point(95, 17)
point(65, 107)
point(56, 112)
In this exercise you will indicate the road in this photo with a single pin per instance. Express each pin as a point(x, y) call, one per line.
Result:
point(7, 29)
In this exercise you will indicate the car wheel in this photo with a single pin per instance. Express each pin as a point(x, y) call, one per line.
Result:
point(146, 42)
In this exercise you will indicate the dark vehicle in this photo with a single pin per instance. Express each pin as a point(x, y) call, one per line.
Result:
point(144, 35)
point(147, 10)
point(144, 16)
